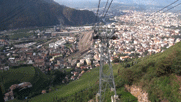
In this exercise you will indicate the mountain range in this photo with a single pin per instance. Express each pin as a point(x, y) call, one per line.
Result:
point(93, 3)
point(31, 13)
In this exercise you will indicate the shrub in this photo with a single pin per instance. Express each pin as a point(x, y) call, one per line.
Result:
point(127, 76)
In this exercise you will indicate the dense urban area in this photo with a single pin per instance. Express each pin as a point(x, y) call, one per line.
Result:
point(65, 52)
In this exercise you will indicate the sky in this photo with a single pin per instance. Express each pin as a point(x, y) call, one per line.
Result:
point(131, 1)
point(138, 2)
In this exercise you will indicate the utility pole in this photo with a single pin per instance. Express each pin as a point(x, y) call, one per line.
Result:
point(106, 77)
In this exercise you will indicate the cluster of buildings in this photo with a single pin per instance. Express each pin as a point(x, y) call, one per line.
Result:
point(144, 33)
point(80, 67)
point(38, 56)
point(140, 34)
point(62, 41)
point(3, 42)
point(49, 55)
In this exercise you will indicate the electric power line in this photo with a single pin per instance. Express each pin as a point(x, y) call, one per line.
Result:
point(172, 7)
point(97, 14)
point(105, 6)
point(166, 7)
point(108, 9)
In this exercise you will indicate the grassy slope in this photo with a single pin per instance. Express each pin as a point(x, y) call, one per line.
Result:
point(63, 91)
point(40, 81)
point(25, 74)
point(15, 76)
point(157, 75)
point(87, 80)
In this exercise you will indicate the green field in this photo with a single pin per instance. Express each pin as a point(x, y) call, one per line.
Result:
point(25, 32)
point(24, 74)
point(16, 76)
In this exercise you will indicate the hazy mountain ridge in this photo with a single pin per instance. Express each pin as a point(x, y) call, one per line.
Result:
point(93, 3)
point(29, 13)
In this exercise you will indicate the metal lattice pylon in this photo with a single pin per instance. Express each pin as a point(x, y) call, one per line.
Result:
point(106, 77)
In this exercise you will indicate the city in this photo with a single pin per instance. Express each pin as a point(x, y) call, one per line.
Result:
point(68, 50)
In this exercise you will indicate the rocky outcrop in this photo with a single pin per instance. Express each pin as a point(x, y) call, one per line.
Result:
point(138, 92)
point(92, 100)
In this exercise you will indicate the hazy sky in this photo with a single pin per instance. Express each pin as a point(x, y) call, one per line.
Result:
point(140, 1)
point(146, 2)
point(160, 2)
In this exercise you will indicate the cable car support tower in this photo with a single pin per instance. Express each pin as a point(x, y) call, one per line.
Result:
point(106, 77)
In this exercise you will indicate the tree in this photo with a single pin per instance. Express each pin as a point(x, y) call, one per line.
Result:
point(59, 76)
point(116, 60)
point(146, 52)
point(127, 65)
